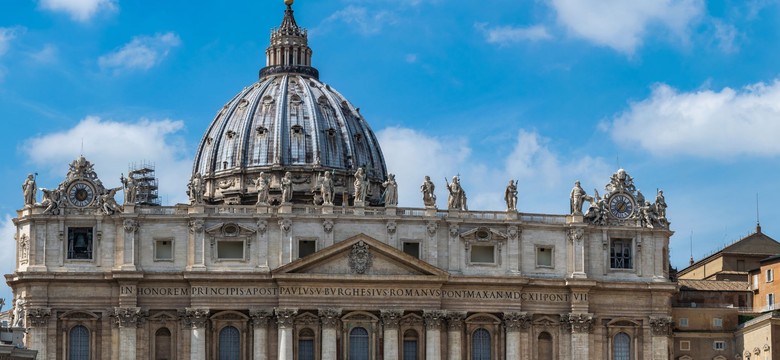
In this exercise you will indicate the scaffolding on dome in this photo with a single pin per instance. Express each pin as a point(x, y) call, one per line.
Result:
point(146, 183)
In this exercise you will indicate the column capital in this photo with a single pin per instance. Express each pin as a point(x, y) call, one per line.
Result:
point(285, 317)
point(391, 318)
point(195, 318)
point(38, 317)
point(260, 317)
point(455, 319)
point(433, 318)
point(516, 321)
point(577, 323)
point(128, 317)
point(661, 325)
point(329, 317)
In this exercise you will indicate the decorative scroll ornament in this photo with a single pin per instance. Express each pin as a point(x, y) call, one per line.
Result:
point(285, 317)
point(577, 323)
point(285, 224)
point(38, 317)
point(516, 321)
point(662, 326)
point(262, 226)
point(454, 230)
point(432, 227)
point(455, 320)
point(622, 204)
point(512, 232)
point(194, 318)
point(130, 225)
point(196, 226)
point(391, 227)
point(575, 235)
point(261, 317)
point(434, 318)
point(360, 258)
point(330, 317)
point(327, 226)
point(81, 168)
point(128, 316)
point(24, 249)
point(391, 318)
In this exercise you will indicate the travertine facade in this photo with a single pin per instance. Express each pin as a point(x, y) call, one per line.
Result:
point(219, 279)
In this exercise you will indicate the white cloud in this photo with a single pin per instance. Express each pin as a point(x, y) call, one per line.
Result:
point(705, 123)
point(505, 35)
point(411, 155)
point(143, 52)
point(79, 10)
point(6, 35)
point(621, 24)
point(112, 146)
point(47, 54)
point(726, 36)
point(7, 256)
point(411, 58)
point(364, 22)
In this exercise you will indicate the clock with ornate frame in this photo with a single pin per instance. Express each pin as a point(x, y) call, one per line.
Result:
point(621, 205)
point(81, 193)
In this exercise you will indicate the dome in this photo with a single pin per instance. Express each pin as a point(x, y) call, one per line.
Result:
point(288, 121)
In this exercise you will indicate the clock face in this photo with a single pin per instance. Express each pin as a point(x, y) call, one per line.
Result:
point(81, 194)
point(621, 206)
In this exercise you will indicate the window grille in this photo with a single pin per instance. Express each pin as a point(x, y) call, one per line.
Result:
point(622, 347)
point(358, 344)
point(229, 344)
point(620, 254)
point(79, 343)
point(306, 349)
point(480, 345)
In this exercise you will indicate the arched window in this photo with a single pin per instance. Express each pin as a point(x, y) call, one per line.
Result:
point(410, 345)
point(162, 344)
point(78, 343)
point(229, 344)
point(358, 344)
point(306, 344)
point(622, 347)
point(544, 346)
point(480, 345)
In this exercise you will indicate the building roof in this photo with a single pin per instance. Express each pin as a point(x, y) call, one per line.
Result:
point(713, 285)
point(755, 244)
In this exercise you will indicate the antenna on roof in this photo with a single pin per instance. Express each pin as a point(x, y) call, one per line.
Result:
point(691, 261)
point(758, 217)
point(82, 146)
point(617, 159)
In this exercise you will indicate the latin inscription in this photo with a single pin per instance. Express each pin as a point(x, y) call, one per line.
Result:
point(352, 292)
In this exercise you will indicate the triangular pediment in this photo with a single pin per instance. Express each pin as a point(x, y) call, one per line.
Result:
point(359, 256)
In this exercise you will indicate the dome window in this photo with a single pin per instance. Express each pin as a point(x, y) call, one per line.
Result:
point(358, 137)
point(243, 103)
point(295, 99)
point(261, 130)
point(230, 134)
point(209, 140)
point(331, 132)
point(297, 129)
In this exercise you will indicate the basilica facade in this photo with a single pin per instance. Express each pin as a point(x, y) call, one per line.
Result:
point(293, 247)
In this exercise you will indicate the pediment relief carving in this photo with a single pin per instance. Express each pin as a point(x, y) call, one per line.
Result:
point(230, 230)
point(163, 317)
point(484, 235)
point(229, 315)
point(483, 319)
point(79, 315)
point(546, 321)
point(307, 318)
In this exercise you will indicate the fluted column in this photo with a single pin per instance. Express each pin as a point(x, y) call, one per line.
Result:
point(127, 319)
point(260, 320)
point(38, 322)
point(284, 319)
point(455, 334)
point(330, 326)
point(581, 326)
point(433, 320)
point(390, 321)
point(515, 323)
point(662, 330)
point(196, 319)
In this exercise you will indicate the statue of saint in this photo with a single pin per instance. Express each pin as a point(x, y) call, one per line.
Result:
point(510, 196)
point(361, 186)
point(391, 191)
point(195, 189)
point(130, 188)
point(261, 183)
point(287, 190)
point(327, 188)
point(107, 202)
point(577, 197)
point(660, 205)
point(427, 188)
point(18, 321)
point(457, 197)
point(51, 200)
point(29, 190)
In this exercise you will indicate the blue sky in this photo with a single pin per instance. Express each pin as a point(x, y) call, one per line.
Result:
point(682, 94)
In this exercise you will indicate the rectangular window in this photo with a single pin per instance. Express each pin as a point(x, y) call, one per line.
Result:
point(410, 349)
point(683, 322)
point(412, 248)
point(483, 254)
point(755, 281)
point(620, 254)
point(685, 345)
point(230, 250)
point(719, 345)
point(163, 250)
point(80, 243)
point(770, 276)
point(306, 349)
point(544, 256)
point(770, 301)
point(717, 322)
point(306, 247)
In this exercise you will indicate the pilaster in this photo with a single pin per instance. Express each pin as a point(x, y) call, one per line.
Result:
point(196, 319)
point(260, 320)
point(433, 321)
point(330, 324)
point(390, 322)
point(455, 324)
point(284, 319)
point(38, 324)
